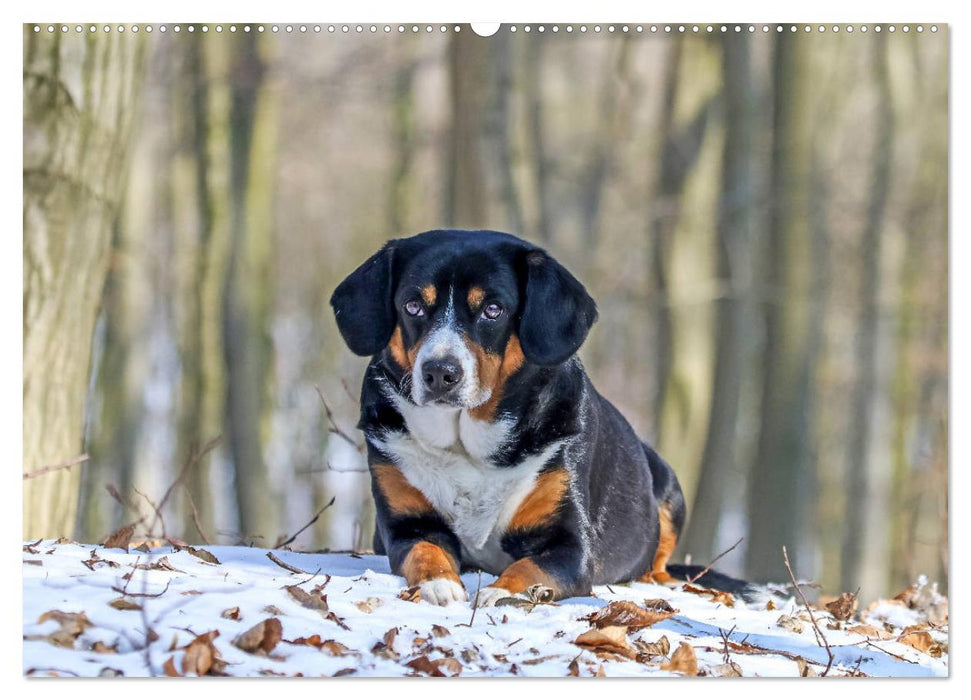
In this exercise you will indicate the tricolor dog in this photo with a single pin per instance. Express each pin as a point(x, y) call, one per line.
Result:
point(487, 443)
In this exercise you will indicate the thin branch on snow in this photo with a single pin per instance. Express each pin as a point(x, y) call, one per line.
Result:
point(283, 565)
point(692, 579)
point(820, 637)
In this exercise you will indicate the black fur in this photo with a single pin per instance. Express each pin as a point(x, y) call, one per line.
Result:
point(606, 527)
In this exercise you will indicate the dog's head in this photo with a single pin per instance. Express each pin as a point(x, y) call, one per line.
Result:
point(459, 312)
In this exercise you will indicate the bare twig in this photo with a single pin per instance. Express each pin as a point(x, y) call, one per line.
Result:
point(56, 467)
point(287, 541)
point(889, 653)
point(192, 460)
point(158, 515)
point(195, 515)
point(283, 565)
point(692, 579)
point(347, 390)
point(820, 637)
point(330, 468)
point(475, 603)
point(334, 428)
point(124, 591)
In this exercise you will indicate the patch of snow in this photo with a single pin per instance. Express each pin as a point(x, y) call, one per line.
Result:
point(362, 594)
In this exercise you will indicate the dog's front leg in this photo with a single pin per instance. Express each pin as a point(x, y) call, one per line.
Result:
point(544, 539)
point(419, 543)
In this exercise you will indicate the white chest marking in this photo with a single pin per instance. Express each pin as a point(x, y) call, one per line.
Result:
point(445, 456)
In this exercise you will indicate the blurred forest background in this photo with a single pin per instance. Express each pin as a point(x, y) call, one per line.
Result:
point(762, 218)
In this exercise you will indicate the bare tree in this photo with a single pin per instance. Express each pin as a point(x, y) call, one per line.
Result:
point(774, 500)
point(718, 465)
point(79, 99)
point(247, 294)
point(865, 386)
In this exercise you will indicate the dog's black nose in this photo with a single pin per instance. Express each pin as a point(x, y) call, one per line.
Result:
point(441, 376)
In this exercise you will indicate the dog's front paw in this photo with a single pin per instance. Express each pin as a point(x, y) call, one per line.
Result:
point(490, 595)
point(442, 591)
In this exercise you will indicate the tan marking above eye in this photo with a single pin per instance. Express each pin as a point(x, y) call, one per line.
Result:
point(429, 294)
point(476, 296)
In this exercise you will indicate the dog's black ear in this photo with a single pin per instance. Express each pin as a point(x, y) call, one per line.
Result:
point(557, 313)
point(364, 306)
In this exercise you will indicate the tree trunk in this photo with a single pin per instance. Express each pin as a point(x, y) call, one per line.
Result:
point(613, 117)
point(247, 293)
point(679, 153)
point(79, 100)
point(858, 498)
point(734, 221)
point(533, 80)
point(195, 426)
point(774, 500)
point(480, 188)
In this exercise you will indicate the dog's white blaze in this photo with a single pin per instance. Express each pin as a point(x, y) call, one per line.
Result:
point(445, 456)
point(446, 341)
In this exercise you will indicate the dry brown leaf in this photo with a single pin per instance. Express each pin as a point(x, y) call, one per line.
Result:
point(261, 637)
point(335, 648)
point(601, 672)
point(311, 601)
point(611, 639)
point(843, 607)
point(423, 664)
point(72, 625)
point(917, 638)
point(790, 623)
point(230, 613)
point(369, 605)
point(201, 654)
point(169, 668)
point(411, 595)
point(770, 605)
point(385, 648)
point(122, 603)
point(311, 641)
point(683, 660)
point(120, 538)
point(729, 670)
point(870, 631)
point(272, 610)
point(725, 598)
point(439, 631)
point(573, 669)
point(203, 554)
point(100, 647)
point(647, 650)
point(805, 670)
point(627, 614)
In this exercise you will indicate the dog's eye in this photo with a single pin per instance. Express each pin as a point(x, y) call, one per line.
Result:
point(414, 308)
point(492, 311)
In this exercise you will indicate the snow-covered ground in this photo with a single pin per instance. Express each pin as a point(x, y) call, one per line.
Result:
point(91, 611)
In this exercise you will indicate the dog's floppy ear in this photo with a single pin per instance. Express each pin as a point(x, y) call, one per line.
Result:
point(364, 306)
point(557, 313)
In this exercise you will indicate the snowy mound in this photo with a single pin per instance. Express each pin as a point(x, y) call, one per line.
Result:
point(234, 611)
